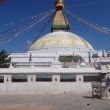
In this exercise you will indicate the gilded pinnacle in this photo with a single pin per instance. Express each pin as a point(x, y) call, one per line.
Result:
point(59, 4)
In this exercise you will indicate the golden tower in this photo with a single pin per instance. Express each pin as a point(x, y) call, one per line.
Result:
point(60, 21)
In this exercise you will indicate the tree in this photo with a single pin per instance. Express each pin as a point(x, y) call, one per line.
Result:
point(70, 58)
point(4, 60)
point(77, 59)
point(65, 58)
point(95, 56)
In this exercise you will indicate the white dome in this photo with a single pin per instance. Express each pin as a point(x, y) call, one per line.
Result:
point(61, 40)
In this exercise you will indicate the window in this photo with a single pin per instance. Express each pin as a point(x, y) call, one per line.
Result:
point(44, 77)
point(1, 79)
point(19, 78)
point(91, 78)
point(67, 78)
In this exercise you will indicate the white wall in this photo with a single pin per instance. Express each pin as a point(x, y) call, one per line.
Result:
point(44, 87)
point(33, 87)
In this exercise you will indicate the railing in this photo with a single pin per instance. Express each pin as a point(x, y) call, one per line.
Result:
point(77, 65)
point(19, 54)
point(63, 65)
point(105, 59)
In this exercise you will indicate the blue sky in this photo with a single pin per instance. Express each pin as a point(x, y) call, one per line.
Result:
point(94, 11)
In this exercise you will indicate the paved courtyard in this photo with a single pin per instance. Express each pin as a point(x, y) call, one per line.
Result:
point(69, 101)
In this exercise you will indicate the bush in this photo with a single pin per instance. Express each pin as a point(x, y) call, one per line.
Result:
point(4, 60)
point(70, 58)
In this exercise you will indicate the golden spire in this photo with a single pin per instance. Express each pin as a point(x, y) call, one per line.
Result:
point(60, 22)
point(59, 4)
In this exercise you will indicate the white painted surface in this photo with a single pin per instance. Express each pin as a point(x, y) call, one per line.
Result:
point(50, 70)
point(44, 88)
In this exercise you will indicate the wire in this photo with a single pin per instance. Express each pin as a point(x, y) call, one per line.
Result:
point(42, 29)
point(12, 33)
point(23, 20)
point(96, 27)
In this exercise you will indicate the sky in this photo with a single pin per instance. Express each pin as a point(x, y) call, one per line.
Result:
point(94, 11)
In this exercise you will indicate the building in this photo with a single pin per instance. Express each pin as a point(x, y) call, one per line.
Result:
point(40, 71)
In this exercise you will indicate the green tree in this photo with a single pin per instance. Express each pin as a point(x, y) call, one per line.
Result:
point(65, 58)
point(4, 60)
point(70, 58)
point(95, 56)
point(77, 58)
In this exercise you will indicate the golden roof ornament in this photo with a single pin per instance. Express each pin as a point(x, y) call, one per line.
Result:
point(59, 4)
point(60, 22)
